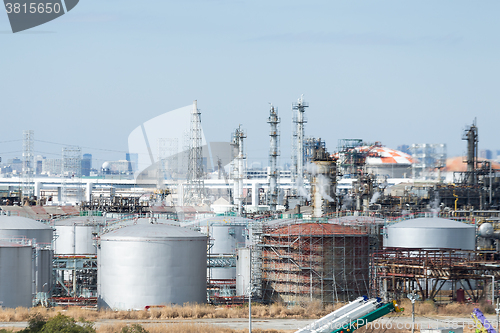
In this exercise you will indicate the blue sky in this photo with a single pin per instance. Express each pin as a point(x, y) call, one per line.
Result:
point(391, 71)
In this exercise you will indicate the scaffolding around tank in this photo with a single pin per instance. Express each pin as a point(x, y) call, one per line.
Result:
point(315, 261)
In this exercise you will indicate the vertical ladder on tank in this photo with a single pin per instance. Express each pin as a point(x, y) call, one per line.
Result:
point(256, 285)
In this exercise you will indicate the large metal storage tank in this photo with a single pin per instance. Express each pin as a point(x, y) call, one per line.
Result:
point(77, 235)
point(16, 227)
point(22, 227)
point(430, 233)
point(151, 264)
point(15, 275)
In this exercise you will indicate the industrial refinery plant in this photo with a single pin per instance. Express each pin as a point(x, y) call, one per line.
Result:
point(182, 219)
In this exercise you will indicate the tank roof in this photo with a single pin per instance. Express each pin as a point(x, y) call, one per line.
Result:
point(18, 222)
point(316, 229)
point(140, 232)
point(80, 220)
point(430, 223)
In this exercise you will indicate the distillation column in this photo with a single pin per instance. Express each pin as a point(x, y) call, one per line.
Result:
point(274, 120)
point(299, 120)
point(239, 170)
point(471, 136)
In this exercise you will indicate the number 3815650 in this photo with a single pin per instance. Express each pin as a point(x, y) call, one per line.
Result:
point(32, 8)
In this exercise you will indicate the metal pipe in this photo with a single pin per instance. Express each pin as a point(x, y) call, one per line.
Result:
point(250, 295)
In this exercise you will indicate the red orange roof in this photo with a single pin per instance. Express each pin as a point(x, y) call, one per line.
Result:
point(457, 164)
point(316, 229)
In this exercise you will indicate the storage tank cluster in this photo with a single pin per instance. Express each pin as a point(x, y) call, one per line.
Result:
point(25, 260)
point(148, 262)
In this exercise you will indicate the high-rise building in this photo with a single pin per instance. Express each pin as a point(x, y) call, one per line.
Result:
point(52, 166)
point(486, 153)
point(86, 164)
point(133, 161)
point(405, 149)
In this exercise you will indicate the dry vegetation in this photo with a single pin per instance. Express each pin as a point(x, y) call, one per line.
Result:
point(203, 311)
point(200, 311)
point(429, 308)
point(197, 311)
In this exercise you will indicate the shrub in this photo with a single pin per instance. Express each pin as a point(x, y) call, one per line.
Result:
point(58, 324)
point(135, 328)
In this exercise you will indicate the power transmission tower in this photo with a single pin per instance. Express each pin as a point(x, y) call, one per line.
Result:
point(28, 163)
point(195, 185)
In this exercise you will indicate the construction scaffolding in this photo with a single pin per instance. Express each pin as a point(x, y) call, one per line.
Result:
point(428, 157)
point(305, 262)
point(351, 160)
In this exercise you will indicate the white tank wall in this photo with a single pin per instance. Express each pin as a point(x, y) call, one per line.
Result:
point(15, 275)
point(430, 233)
point(75, 239)
point(227, 238)
point(242, 271)
point(151, 264)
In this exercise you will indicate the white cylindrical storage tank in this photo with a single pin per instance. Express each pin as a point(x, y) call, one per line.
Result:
point(243, 271)
point(15, 275)
point(226, 239)
point(22, 227)
point(430, 233)
point(151, 264)
point(76, 236)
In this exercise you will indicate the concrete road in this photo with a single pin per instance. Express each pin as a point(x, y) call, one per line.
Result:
point(395, 322)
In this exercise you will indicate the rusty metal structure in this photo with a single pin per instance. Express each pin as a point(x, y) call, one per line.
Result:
point(400, 271)
point(304, 262)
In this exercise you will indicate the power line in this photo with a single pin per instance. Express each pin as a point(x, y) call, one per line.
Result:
point(11, 141)
point(64, 144)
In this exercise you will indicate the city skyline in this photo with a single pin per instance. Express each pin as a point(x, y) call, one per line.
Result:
point(398, 73)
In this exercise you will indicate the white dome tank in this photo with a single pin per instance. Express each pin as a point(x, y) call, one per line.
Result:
point(430, 233)
point(15, 275)
point(151, 264)
point(22, 227)
point(76, 235)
